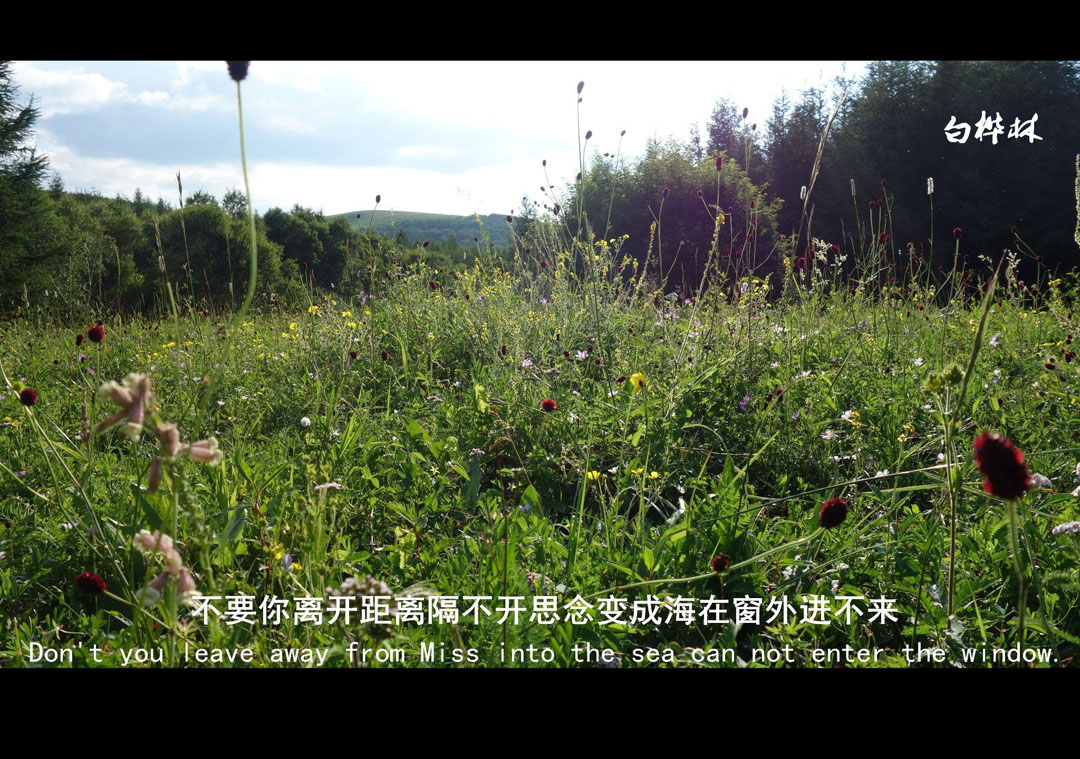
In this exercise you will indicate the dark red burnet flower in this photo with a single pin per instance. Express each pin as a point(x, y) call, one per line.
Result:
point(957, 232)
point(385, 354)
point(1002, 464)
point(79, 339)
point(90, 584)
point(666, 191)
point(719, 563)
point(238, 70)
point(800, 263)
point(719, 162)
point(96, 334)
point(833, 513)
point(28, 396)
point(352, 355)
point(549, 405)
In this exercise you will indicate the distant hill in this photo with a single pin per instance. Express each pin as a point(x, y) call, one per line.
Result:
point(432, 226)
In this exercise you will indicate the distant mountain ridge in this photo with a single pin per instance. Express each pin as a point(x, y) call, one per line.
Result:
point(419, 226)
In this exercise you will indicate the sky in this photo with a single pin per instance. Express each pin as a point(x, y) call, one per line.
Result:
point(453, 137)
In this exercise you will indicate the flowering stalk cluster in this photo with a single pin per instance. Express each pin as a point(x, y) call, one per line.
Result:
point(154, 544)
point(136, 399)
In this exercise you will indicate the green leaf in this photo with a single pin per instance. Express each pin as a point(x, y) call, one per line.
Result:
point(530, 497)
point(235, 526)
point(481, 399)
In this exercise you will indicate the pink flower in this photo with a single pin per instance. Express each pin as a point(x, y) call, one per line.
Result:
point(134, 396)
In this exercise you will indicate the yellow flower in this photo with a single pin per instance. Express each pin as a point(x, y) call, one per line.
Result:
point(351, 325)
point(346, 314)
point(654, 475)
point(638, 381)
point(637, 471)
point(293, 326)
point(313, 309)
point(593, 475)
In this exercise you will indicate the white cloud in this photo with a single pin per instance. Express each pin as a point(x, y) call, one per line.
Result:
point(68, 91)
point(76, 90)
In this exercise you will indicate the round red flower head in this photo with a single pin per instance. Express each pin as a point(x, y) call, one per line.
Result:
point(1002, 464)
point(79, 339)
point(833, 513)
point(385, 354)
point(90, 584)
point(96, 334)
point(719, 563)
point(549, 405)
point(28, 396)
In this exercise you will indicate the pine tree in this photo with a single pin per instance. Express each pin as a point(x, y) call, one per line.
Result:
point(22, 201)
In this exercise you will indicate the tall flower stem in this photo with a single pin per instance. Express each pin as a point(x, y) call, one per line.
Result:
point(1021, 577)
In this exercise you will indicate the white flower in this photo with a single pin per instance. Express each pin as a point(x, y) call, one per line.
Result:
point(582, 355)
point(1069, 528)
point(995, 341)
point(526, 363)
point(882, 473)
point(1041, 482)
point(305, 422)
point(918, 362)
point(929, 185)
point(828, 435)
point(328, 485)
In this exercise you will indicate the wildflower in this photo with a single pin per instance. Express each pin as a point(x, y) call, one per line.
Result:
point(238, 70)
point(305, 422)
point(90, 584)
point(995, 341)
point(719, 162)
point(929, 185)
point(525, 364)
point(332, 485)
point(744, 402)
point(1002, 464)
point(828, 435)
point(313, 309)
point(582, 355)
point(79, 339)
point(287, 561)
point(833, 513)
point(204, 451)
point(96, 334)
point(134, 397)
point(1069, 528)
point(28, 396)
point(957, 232)
point(800, 263)
point(918, 362)
point(638, 381)
point(593, 475)
point(384, 354)
point(1041, 482)
point(549, 405)
point(719, 563)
